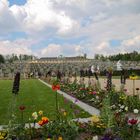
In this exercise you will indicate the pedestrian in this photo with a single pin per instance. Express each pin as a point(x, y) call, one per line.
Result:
point(123, 76)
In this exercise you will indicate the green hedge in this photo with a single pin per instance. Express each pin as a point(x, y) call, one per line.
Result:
point(118, 73)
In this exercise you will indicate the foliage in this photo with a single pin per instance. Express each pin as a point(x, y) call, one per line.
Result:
point(132, 102)
point(107, 115)
point(2, 60)
point(133, 56)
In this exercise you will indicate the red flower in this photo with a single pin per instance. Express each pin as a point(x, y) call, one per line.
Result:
point(82, 89)
point(43, 121)
point(55, 87)
point(22, 107)
point(132, 121)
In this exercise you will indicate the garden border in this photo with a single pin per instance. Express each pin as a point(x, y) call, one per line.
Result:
point(91, 110)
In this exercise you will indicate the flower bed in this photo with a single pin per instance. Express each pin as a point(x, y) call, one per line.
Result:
point(119, 112)
point(119, 118)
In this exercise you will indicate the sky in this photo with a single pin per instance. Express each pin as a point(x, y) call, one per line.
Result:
point(48, 28)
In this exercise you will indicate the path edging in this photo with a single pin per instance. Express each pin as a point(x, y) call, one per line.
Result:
point(91, 110)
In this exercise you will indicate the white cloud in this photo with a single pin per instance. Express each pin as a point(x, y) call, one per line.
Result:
point(7, 20)
point(66, 50)
point(36, 16)
point(102, 46)
point(51, 50)
point(132, 42)
point(15, 47)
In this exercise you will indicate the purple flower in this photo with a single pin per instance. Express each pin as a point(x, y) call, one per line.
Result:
point(76, 111)
point(76, 100)
point(106, 138)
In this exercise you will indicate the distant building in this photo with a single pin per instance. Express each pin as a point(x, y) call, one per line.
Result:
point(62, 59)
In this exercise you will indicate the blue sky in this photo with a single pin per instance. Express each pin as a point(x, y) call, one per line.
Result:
point(69, 27)
point(17, 2)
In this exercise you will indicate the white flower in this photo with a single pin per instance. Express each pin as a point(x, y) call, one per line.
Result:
point(97, 97)
point(113, 106)
point(120, 110)
point(126, 108)
point(122, 107)
point(95, 138)
point(34, 115)
point(136, 111)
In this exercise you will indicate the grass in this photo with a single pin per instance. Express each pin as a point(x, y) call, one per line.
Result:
point(34, 96)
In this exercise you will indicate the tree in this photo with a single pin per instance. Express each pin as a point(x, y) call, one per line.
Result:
point(97, 56)
point(2, 60)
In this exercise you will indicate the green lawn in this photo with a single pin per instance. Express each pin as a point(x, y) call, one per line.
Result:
point(34, 96)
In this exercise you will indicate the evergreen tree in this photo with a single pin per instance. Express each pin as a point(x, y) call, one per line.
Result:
point(2, 60)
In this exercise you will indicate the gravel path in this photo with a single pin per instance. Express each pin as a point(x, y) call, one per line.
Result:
point(116, 82)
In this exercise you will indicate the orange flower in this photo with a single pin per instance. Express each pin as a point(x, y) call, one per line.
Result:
point(40, 123)
point(45, 120)
point(55, 87)
point(90, 93)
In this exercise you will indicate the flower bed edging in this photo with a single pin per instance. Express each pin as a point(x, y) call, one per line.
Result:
point(91, 110)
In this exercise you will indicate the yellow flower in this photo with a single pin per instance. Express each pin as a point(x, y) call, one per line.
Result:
point(98, 126)
point(1, 138)
point(95, 119)
point(65, 113)
point(40, 112)
point(48, 139)
point(133, 77)
point(3, 135)
point(123, 97)
point(60, 138)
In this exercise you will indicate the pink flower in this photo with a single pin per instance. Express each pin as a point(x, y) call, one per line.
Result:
point(94, 92)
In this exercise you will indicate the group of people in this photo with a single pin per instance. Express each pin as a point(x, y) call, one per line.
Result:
point(91, 71)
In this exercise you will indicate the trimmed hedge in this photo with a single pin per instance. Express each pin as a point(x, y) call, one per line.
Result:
point(118, 73)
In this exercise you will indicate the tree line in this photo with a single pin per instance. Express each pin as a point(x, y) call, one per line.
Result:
point(133, 56)
point(13, 57)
